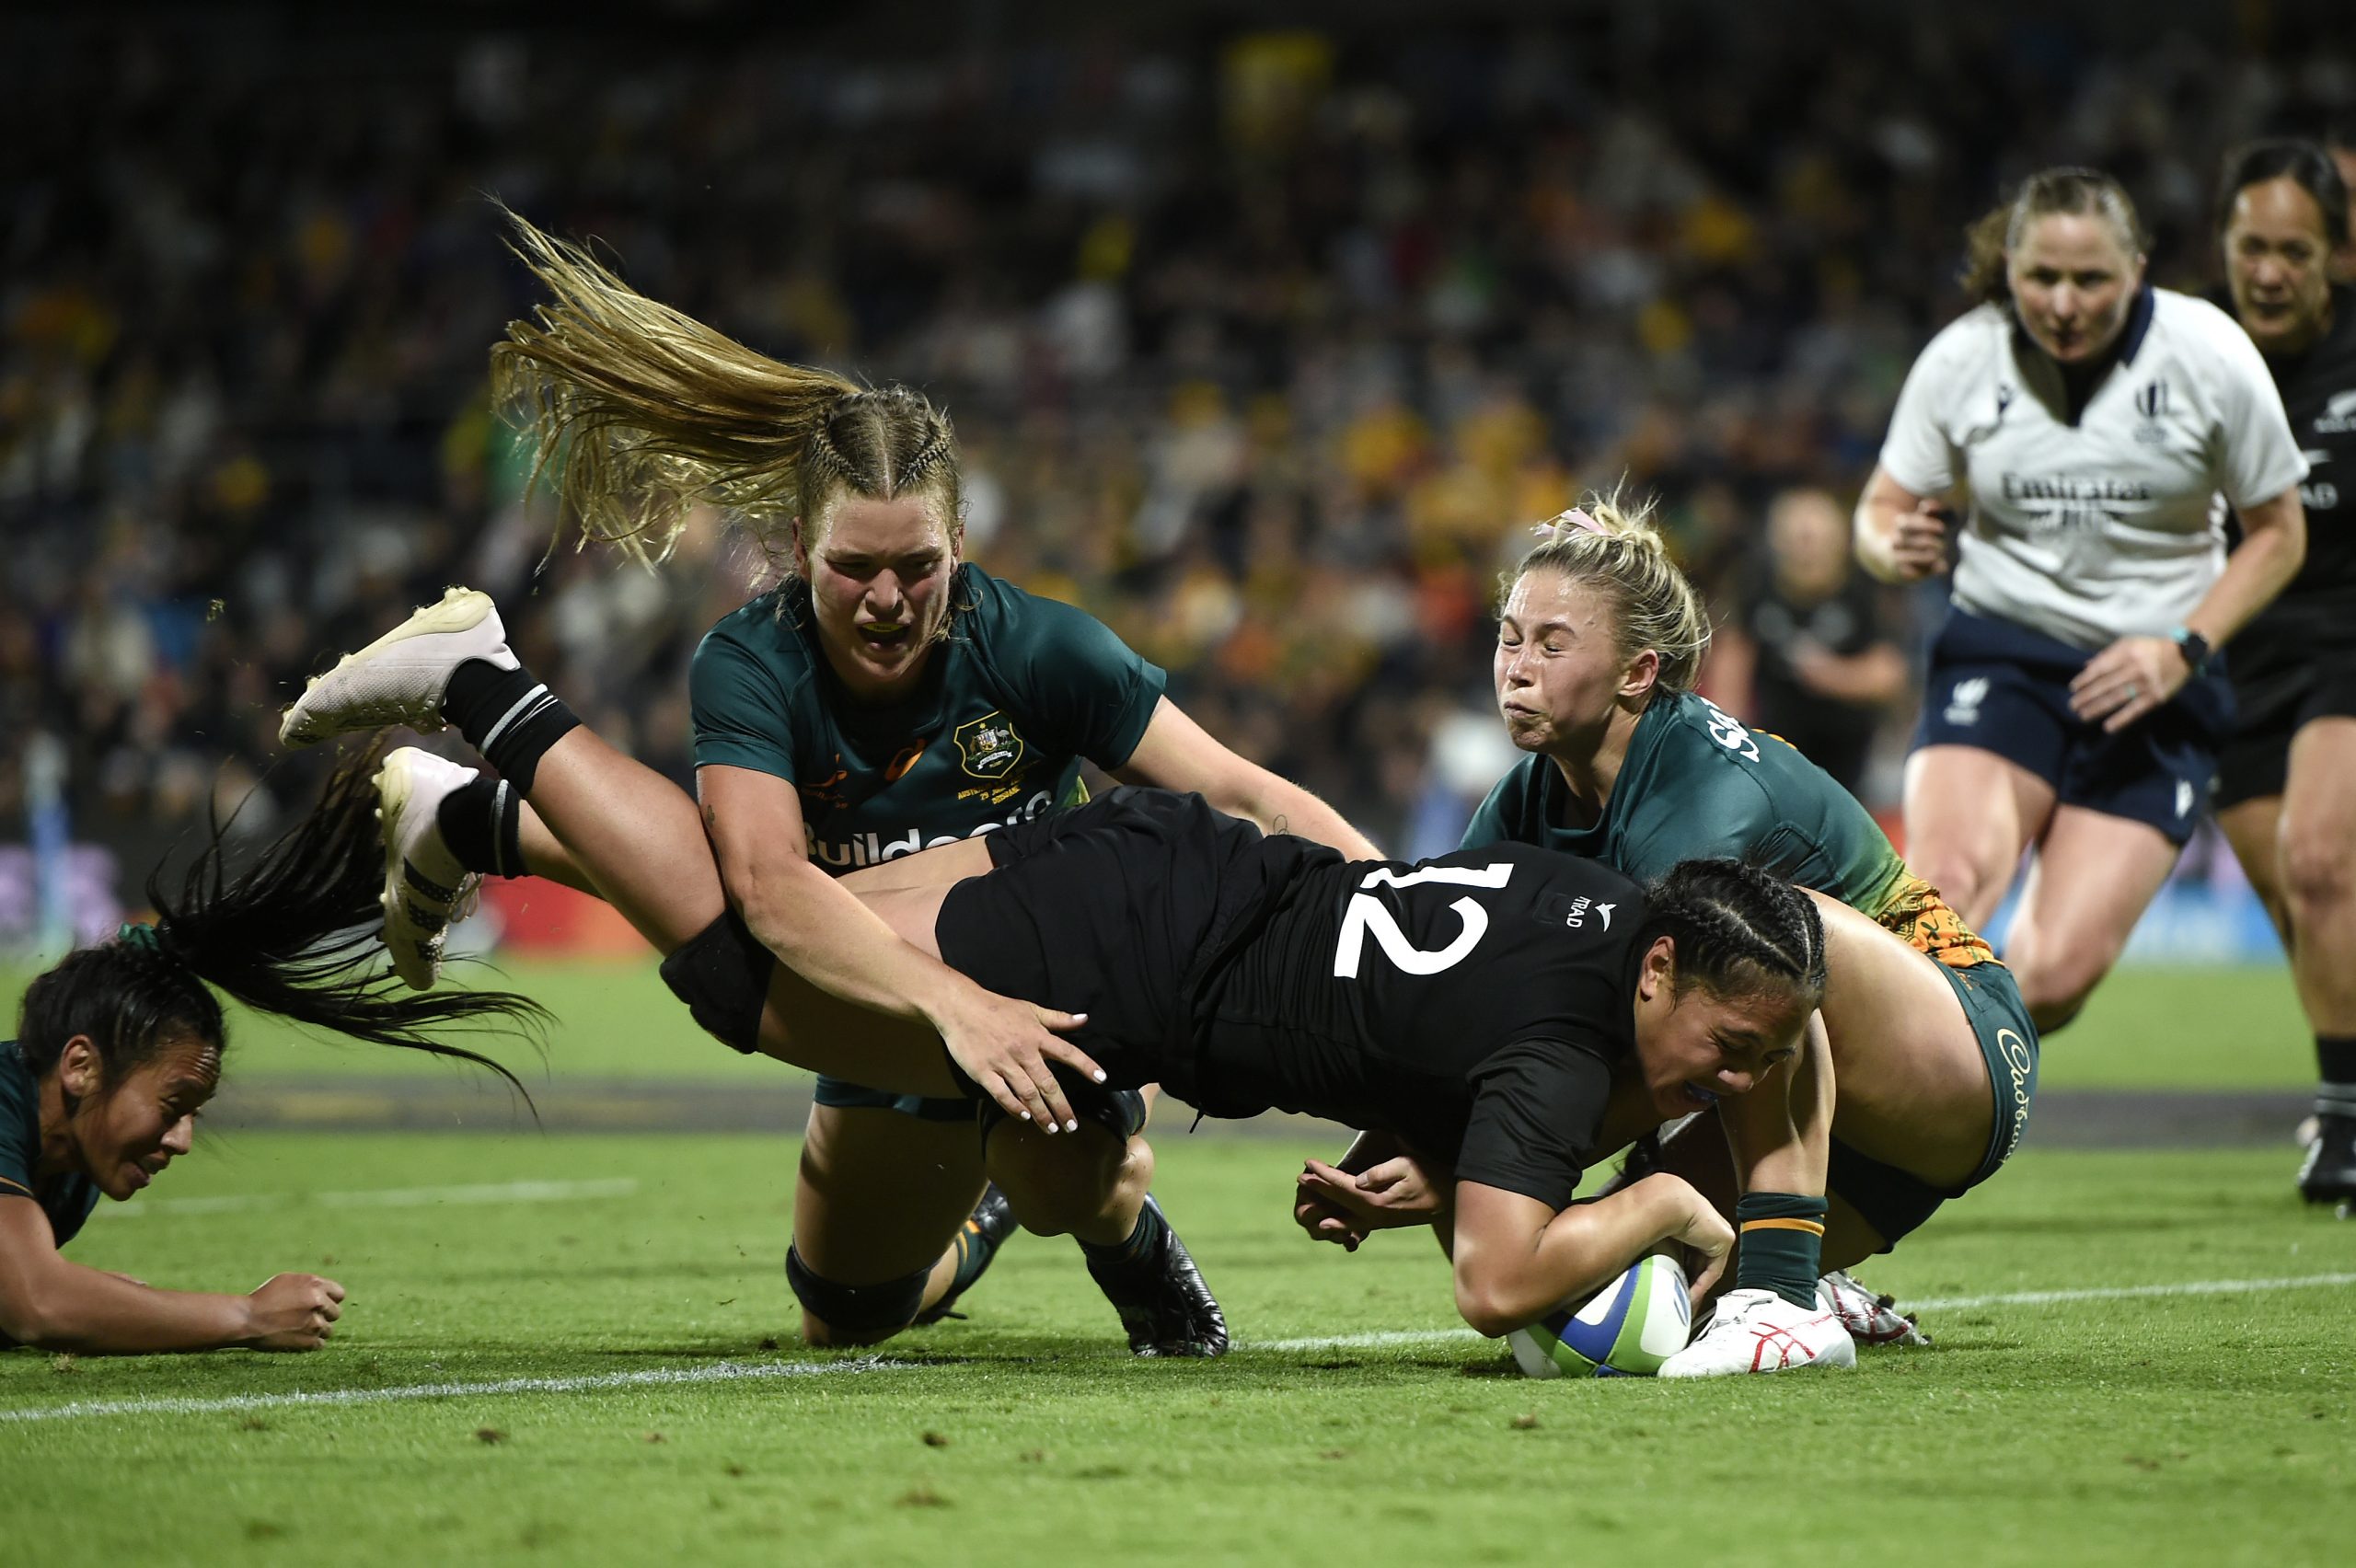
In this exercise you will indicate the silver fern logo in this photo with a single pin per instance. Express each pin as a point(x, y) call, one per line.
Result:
point(1964, 699)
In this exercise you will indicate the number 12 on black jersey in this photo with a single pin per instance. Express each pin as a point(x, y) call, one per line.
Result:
point(1367, 915)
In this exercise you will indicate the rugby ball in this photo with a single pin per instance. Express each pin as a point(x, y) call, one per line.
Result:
point(1625, 1330)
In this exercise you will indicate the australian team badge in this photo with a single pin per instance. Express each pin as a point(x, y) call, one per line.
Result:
point(989, 747)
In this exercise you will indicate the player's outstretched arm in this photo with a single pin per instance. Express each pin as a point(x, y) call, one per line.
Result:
point(819, 928)
point(1516, 1260)
point(53, 1303)
point(1175, 753)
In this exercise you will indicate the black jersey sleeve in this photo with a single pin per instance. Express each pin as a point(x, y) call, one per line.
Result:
point(1536, 1109)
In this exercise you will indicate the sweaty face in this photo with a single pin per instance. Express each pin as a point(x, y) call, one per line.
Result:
point(126, 1133)
point(879, 582)
point(1699, 1048)
point(1558, 668)
point(2275, 262)
point(2071, 284)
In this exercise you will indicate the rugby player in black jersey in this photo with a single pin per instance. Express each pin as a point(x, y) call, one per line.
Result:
point(119, 1046)
point(2286, 778)
point(1513, 1011)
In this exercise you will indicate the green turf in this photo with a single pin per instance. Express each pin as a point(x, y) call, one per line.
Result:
point(2145, 1028)
point(2207, 1428)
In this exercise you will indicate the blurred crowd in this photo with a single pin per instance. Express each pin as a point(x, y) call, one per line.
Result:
point(1266, 347)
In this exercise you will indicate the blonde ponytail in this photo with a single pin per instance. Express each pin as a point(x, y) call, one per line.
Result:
point(639, 412)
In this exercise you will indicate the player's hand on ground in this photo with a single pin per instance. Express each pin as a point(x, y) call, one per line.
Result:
point(2127, 680)
point(1918, 547)
point(1396, 1193)
point(1005, 1046)
point(292, 1311)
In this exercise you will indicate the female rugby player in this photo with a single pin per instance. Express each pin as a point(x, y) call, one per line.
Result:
point(2072, 706)
point(888, 697)
point(1931, 1065)
point(2286, 780)
point(1512, 1010)
point(119, 1045)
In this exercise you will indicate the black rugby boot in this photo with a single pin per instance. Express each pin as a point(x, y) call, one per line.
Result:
point(2329, 1175)
point(1164, 1303)
point(986, 1229)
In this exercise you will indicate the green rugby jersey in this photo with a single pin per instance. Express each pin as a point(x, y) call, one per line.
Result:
point(1697, 783)
point(1020, 691)
point(67, 1200)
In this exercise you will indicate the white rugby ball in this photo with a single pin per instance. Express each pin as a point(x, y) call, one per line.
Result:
point(1625, 1330)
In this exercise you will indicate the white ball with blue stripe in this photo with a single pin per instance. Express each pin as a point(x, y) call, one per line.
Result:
point(1625, 1330)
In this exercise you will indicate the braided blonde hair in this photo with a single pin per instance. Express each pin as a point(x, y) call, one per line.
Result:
point(1618, 552)
point(639, 412)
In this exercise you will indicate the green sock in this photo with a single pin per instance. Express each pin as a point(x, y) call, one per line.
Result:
point(1781, 1241)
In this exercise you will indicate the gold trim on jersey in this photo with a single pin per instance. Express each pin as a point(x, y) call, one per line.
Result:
point(1916, 913)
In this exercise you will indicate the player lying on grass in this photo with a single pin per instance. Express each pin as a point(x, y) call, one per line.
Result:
point(119, 1047)
point(1516, 1011)
point(1932, 1058)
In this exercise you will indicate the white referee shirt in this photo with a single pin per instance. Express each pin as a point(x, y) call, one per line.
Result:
point(2111, 523)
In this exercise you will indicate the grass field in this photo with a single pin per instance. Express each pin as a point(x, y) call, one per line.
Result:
point(2146, 1029)
point(579, 1349)
point(1355, 1423)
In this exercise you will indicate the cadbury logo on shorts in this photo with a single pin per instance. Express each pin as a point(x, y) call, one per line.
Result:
point(2020, 1065)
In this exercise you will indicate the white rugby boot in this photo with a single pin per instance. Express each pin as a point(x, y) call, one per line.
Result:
point(427, 891)
point(399, 678)
point(1870, 1319)
point(1758, 1331)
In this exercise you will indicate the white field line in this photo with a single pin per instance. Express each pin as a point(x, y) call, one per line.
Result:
point(731, 1371)
point(718, 1372)
point(382, 1197)
point(1394, 1337)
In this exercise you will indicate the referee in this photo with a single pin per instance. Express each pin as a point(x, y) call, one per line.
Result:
point(2286, 780)
point(2093, 422)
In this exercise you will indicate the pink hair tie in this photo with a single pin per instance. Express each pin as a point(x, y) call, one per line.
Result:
point(1557, 526)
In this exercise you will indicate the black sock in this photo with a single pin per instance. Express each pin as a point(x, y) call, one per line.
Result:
point(1142, 1243)
point(2336, 1065)
point(506, 715)
point(482, 824)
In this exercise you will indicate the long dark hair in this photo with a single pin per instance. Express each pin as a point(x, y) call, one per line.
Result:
point(294, 932)
point(1738, 929)
point(2303, 163)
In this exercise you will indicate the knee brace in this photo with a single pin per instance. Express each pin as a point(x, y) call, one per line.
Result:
point(856, 1309)
point(723, 976)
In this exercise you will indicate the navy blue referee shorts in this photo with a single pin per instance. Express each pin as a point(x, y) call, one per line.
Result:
point(2001, 688)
